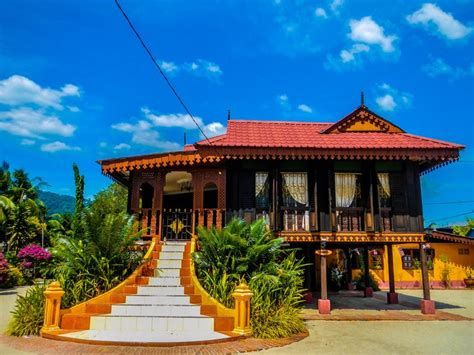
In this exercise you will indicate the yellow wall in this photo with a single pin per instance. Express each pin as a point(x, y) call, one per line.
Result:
point(458, 266)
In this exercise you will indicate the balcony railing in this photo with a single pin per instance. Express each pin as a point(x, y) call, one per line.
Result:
point(350, 219)
point(295, 220)
point(386, 223)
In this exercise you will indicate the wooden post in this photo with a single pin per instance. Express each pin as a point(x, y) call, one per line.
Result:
point(392, 296)
point(242, 296)
point(324, 305)
point(350, 287)
point(427, 305)
point(368, 292)
point(52, 305)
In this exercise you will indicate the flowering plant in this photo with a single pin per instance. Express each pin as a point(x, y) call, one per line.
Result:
point(32, 256)
point(4, 266)
point(34, 252)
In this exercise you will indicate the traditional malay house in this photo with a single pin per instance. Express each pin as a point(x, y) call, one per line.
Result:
point(350, 185)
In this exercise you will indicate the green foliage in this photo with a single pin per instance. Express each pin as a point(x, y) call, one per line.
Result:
point(78, 220)
point(360, 281)
point(250, 252)
point(15, 278)
point(463, 230)
point(28, 313)
point(24, 225)
point(445, 271)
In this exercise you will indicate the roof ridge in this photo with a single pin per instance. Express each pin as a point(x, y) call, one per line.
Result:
point(277, 121)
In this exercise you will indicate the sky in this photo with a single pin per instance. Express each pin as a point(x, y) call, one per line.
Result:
point(75, 85)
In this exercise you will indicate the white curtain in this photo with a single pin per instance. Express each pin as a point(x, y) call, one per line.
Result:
point(345, 189)
point(260, 181)
point(296, 185)
point(384, 180)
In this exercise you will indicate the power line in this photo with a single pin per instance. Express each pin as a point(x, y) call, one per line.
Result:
point(448, 203)
point(132, 27)
point(458, 215)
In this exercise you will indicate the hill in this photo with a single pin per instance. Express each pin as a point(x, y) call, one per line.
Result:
point(56, 203)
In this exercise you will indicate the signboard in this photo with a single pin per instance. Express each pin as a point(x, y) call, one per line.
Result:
point(323, 252)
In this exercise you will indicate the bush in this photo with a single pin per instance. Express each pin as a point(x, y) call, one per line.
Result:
point(33, 261)
point(4, 271)
point(250, 253)
point(28, 313)
point(360, 282)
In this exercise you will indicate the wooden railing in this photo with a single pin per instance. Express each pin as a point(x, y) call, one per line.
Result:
point(295, 220)
point(350, 219)
point(386, 219)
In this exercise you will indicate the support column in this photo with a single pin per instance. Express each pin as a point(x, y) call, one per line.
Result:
point(368, 291)
point(427, 305)
point(392, 296)
point(324, 305)
point(350, 286)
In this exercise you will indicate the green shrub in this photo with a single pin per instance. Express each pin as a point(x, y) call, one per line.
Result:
point(15, 278)
point(445, 271)
point(28, 313)
point(250, 253)
point(360, 282)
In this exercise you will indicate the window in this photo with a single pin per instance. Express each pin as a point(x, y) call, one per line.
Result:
point(262, 190)
point(383, 188)
point(411, 258)
point(463, 251)
point(295, 203)
point(348, 189)
point(295, 189)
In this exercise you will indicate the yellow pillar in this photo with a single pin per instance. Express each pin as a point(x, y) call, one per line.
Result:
point(242, 296)
point(52, 305)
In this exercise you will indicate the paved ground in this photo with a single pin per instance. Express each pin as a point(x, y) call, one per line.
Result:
point(330, 337)
point(7, 301)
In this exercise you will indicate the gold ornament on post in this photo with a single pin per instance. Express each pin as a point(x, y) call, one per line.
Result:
point(52, 305)
point(242, 296)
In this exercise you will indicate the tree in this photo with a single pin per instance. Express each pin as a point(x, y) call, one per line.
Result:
point(463, 230)
point(78, 229)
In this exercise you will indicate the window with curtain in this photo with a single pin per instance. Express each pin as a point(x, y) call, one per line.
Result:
point(295, 189)
point(262, 190)
point(383, 188)
point(348, 189)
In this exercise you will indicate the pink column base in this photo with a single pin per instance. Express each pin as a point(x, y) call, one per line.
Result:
point(392, 298)
point(368, 292)
point(324, 306)
point(427, 307)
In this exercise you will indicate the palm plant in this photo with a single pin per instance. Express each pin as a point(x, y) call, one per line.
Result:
point(250, 252)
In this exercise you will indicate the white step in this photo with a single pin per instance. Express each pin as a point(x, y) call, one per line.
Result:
point(156, 310)
point(160, 290)
point(145, 336)
point(173, 247)
point(171, 255)
point(176, 264)
point(158, 300)
point(171, 272)
point(169, 324)
point(164, 281)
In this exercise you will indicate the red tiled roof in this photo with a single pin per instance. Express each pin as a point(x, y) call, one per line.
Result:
point(281, 134)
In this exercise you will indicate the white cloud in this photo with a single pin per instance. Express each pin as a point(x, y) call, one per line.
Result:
point(335, 5)
point(386, 102)
point(348, 55)
point(57, 146)
point(438, 67)
point(283, 98)
point(169, 67)
point(172, 120)
point(320, 12)
point(19, 90)
point(122, 146)
point(305, 108)
point(390, 98)
point(214, 129)
point(103, 144)
point(27, 142)
point(369, 32)
point(432, 17)
point(27, 122)
point(74, 109)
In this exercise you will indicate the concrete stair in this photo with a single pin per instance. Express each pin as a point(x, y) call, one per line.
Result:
point(159, 308)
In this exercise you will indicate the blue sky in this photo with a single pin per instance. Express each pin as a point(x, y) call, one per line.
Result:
point(75, 86)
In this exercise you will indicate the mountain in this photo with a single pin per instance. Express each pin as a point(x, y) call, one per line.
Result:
point(56, 203)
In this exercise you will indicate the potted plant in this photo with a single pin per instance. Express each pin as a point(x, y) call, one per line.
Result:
point(469, 280)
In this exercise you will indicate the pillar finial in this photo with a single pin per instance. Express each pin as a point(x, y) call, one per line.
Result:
point(184, 138)
point(362, 99)
point(228, 114)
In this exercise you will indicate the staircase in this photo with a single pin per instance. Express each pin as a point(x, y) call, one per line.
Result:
point(160, 308)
